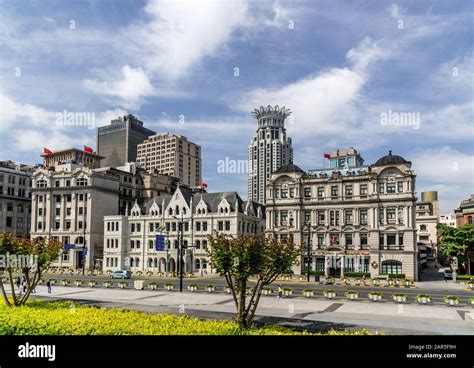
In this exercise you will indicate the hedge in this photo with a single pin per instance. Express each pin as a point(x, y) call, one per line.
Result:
point(356, 274)
point(464, 277)
point(394, 275)
point(67, 318)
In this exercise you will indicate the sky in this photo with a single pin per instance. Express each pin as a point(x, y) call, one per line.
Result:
point(346, 69)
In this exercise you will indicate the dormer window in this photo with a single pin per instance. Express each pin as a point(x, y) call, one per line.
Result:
point(81, 182)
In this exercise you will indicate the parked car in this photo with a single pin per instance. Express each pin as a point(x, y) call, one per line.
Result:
point(448, 274)
point(121, 275)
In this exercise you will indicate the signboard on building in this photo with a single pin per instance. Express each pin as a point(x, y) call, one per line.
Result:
point(160, 242)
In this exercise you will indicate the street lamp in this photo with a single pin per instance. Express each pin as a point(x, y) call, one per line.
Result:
point(180, 262)
point(308, 250)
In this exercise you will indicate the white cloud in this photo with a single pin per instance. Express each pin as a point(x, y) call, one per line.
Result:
point(130, 86)
point(444, 165)
point(180, 34)
point(326, 102)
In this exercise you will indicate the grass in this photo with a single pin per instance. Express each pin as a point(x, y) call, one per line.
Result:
point(67, 318)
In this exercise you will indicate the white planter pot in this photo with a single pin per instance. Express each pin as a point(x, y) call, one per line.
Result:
point(353, 296)
point(107, 285)
point(330, 295)
point(169, 287)
point(91, 284)
point(122, 286)
point(227, 290)
point(210, 290)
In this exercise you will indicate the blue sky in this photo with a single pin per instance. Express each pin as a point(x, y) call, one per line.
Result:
point(338, 65)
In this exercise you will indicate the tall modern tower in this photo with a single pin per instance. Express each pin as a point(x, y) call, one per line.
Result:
point(118, 141)
point(269, 149)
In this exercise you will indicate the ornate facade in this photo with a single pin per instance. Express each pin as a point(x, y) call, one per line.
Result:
point(269, 149)
point(352, 217)
point(130, 241)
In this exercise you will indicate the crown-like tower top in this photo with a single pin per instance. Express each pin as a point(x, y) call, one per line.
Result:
point(276, 111)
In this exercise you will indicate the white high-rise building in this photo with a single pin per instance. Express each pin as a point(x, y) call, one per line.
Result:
point(269, 149)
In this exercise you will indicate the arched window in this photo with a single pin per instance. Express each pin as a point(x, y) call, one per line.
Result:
point(198, 244)
point(150, 262)
point(132, 262)
point(391, 267)
point(170, 211)
point(137, 262)
point(184, 211)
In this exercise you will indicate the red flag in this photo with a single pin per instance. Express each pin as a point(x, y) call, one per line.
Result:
point(47, 152)
point(88, 149)
point(203, 185)
point(327, 155)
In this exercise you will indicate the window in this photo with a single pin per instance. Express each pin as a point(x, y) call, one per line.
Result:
point(220, 225)
point(334, 191)
point(320, 192)
point(321, 217)
point(363, 190)
point(422, 227)
point(390, 187)
point(400, 186)
point(284, 193)
point(390, 213)
point(348, 216)
point(57, 211)
point(137, 244)
point(391, 267)
point(292, 192)
point(381, 239)
point(334, 217)
point(150, 244)
point(307, 192)
point(227, 226)
point(307, 216)
point(348, 239)
point(41, 184)
point(320, 240)
point(348, 190)
point(381, 187)
point(400, 239)
point(132, 228)
point(363, 216)
point(198, 226)
point(391, 239)
point(363, 239)
point(204, 226)
point(284, 216)
point(381, 214)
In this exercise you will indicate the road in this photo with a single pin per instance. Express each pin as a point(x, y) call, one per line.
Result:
point(297, 286)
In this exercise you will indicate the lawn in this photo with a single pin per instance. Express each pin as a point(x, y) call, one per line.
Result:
point(68, 318)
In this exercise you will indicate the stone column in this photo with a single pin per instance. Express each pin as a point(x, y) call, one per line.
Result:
point(342, 266)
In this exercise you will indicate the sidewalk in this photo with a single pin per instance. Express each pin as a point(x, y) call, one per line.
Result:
point(388, 316)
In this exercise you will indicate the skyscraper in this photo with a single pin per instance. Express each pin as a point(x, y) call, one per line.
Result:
point(269, 149)
point(118, 141)
point(172, 155)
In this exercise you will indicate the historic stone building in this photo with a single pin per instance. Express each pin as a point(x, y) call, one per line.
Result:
point(15, 198)
point(465, 215)
point(69, 202)
point(357, 218)
point(130, 241)
point(269, 149)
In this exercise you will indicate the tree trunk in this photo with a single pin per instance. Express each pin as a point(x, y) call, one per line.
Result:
point(241, 320)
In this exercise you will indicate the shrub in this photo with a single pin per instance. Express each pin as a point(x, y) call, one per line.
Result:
point(465, 277)
point(420, 297)
point(67, 318)
point(394, 275)
point(452, 298)
point(357, 274)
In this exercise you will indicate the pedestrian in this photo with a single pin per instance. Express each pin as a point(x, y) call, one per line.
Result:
point(18, 282)
point(48, 284)
point(25, 285)
point(280, 291)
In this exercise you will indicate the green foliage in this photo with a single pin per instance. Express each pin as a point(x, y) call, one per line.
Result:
point(239, 258)
point(455, 242)
point(395, 275)
point(356, 274)
point(67, 318)
point(32, 257)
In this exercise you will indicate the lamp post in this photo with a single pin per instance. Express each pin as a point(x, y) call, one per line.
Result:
point(308, 251)
point(180, 262)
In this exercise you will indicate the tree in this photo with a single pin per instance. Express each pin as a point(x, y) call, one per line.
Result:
point(239, 258)
point(30, 258)
point(455, 242)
